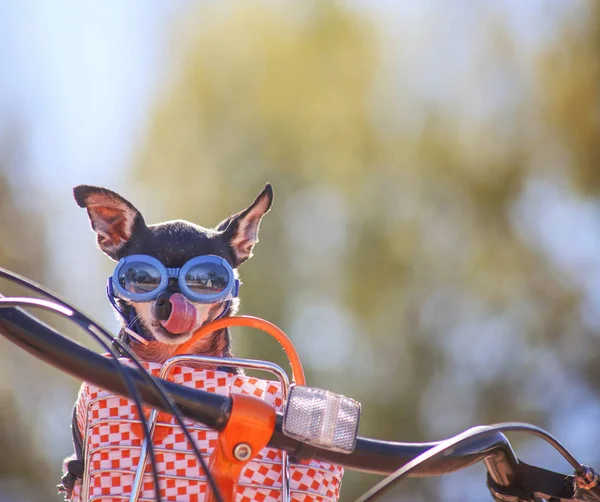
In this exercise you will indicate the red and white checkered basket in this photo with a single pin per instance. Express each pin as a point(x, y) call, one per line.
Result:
point(112, 450)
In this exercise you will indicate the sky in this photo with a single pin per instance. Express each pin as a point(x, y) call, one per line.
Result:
point(79, 77)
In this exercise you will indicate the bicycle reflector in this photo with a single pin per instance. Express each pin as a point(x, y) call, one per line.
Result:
point(322, 418)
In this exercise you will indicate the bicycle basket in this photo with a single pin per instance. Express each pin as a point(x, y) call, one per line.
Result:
point(112, 448)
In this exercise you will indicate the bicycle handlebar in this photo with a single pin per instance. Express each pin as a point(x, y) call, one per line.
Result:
point(213, 410)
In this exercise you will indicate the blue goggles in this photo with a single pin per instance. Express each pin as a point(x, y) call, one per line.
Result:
point(203, 279)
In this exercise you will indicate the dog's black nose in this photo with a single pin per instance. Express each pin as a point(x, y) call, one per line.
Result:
point(163, 306)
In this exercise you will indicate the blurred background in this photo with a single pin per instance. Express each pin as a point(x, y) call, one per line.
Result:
point(434, 246)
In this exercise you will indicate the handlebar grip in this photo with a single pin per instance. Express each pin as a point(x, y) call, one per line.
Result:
point(541, 484)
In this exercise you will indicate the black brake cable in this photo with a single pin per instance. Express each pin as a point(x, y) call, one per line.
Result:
point(162, 393)
point(167, 402)
point(12, 302)
point(440, 449)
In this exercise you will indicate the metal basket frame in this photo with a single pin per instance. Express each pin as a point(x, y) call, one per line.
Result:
point(164, 372)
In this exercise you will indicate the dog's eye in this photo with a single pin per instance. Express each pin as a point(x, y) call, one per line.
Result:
point(139, 277)
point(208, 278)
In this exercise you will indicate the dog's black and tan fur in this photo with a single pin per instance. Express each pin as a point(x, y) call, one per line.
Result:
point(121, 231)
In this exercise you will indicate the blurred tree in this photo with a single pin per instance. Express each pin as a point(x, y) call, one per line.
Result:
point(568, 76)
point(26, 471)
point(402, 253)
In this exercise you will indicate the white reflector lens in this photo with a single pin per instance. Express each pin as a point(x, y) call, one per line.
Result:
point(322, 418)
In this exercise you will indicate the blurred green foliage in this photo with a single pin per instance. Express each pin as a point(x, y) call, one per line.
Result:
point(25, 469)
point(396, 254)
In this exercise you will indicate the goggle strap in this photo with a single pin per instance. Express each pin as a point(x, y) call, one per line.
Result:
point(222, 314)
point(111, 298)
point(133, 333)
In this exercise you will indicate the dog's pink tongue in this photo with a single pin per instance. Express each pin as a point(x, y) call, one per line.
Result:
point(183, 315)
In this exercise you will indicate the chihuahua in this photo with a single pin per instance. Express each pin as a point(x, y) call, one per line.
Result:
point(173, 277)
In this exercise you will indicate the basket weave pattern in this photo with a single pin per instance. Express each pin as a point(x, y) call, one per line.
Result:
point(112, 448)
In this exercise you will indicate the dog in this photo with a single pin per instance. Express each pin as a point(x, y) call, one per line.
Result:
point(162, 323)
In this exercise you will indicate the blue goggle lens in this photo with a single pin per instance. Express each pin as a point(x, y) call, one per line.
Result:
point(207, 278)
point(139, 277)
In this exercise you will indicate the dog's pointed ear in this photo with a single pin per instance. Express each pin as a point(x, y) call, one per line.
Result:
point(113, 218)
point(242, 228)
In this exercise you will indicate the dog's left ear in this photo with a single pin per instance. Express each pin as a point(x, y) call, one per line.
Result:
point(242, 228)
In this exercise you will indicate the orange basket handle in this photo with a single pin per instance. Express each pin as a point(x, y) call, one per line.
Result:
point(251, 322)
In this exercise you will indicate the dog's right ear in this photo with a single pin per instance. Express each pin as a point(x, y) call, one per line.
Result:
point(113, 218)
